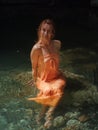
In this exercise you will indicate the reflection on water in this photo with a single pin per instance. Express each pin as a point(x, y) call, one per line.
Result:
point(77, 111)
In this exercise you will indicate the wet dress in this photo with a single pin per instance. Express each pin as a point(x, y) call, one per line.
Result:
point(50, 80)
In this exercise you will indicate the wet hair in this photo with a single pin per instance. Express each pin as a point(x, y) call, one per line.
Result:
point(49, 22)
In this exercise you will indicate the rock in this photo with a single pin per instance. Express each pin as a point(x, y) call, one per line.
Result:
point(78, 90)
point(83, 118)
point(72, 124)
point(58, 121)
point(3, 122)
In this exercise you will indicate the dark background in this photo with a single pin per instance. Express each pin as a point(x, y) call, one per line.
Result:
point(75, 27)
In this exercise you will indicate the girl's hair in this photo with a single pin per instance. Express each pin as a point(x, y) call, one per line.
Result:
point(47, 21)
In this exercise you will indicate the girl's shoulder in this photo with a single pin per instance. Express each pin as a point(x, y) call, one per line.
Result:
point(36, 48)
point(57, 44)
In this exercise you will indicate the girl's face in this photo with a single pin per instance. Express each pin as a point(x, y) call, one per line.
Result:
point(46, 32)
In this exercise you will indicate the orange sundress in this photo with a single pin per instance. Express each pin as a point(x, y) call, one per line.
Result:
point(51, 82)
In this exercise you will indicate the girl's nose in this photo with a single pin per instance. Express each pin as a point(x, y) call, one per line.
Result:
point(46, 32)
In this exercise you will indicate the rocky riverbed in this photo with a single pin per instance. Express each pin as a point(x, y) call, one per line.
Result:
point(78, 109)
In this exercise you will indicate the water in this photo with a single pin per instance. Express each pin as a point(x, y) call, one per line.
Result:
point(17, 113)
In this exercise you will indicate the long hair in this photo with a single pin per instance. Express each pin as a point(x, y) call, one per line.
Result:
point(47, 21)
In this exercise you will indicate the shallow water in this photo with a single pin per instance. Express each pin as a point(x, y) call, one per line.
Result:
point(17, 113)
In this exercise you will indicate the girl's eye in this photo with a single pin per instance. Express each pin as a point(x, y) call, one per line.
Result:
point(43, 30)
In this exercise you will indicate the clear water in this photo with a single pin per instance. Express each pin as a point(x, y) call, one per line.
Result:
point(17, 113)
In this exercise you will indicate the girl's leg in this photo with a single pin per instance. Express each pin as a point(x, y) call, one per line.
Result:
point(49, 117)
point(42, 113)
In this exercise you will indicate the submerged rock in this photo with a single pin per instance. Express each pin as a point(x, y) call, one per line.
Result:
point(78, 91)
point(58, 121)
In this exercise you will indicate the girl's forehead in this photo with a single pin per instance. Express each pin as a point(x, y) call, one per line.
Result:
point(47, 26)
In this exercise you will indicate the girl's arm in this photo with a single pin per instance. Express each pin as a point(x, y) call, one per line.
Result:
point(34, 56)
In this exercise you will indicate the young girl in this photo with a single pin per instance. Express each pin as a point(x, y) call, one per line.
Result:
point(47, 77)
